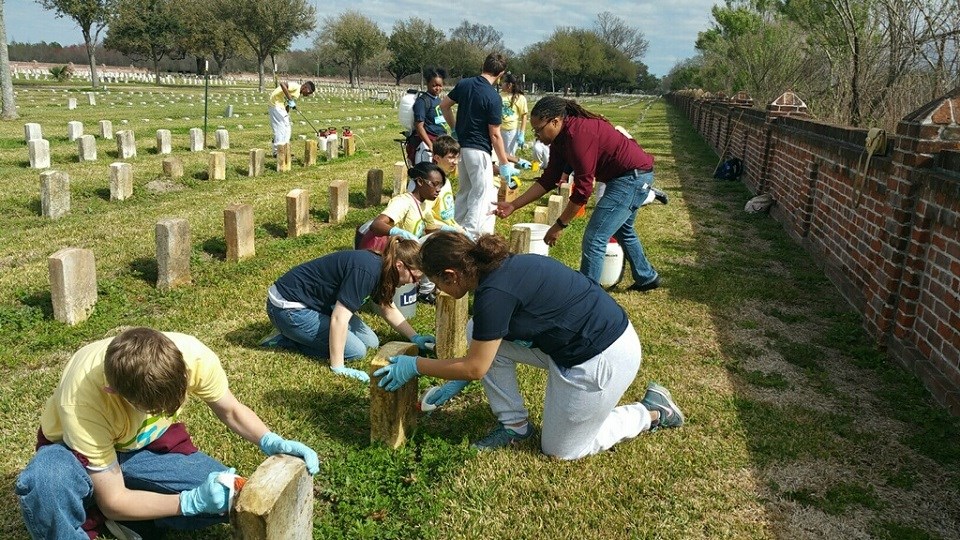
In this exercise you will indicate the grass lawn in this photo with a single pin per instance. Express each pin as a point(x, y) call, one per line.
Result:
point(797, 427)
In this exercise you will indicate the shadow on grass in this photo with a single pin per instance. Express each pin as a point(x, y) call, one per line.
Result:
point(357, 199)
point(275, 230)
point(242, 172)
point(103, 193)
point(216, 247)
point(145, 269)
point(320, 215)
point(40, 300)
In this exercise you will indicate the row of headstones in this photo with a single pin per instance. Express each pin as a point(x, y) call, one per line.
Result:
point(73, 277)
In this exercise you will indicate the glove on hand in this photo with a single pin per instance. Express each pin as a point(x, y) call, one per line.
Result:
point(272, 444)
point(446, 392)
point(507, 171)
point(521, 139)
point(402, 368)
point(524, 164)
point(292, 104)
point(210, 497)
point(422, 340)
point(403, 233)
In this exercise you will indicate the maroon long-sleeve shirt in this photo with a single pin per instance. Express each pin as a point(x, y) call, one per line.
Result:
point(596, 151)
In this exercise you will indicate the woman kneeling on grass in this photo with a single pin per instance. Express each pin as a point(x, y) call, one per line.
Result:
point(313, 306)
point(576, 332)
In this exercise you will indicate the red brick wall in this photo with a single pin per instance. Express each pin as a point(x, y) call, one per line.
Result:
point(894, 251)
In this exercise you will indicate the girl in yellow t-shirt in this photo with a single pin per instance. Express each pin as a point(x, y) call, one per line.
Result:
point(515, 112)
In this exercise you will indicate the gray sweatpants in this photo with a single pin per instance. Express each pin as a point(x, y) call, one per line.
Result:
point(475, 198)
point(580, 413)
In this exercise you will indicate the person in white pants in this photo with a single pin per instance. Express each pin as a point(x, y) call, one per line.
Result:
point(282, 99)
point(534, 310)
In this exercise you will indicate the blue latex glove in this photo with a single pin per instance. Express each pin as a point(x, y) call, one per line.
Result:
point(421, 341)
point(350, 372)
point(508, 171)
point(403, 233)
point(292, 104)
point(210, 497)
point(402, 368)
point(524, 164)
point(449, 228)
point(272, 444)
point(521, 139)
point(447, 391)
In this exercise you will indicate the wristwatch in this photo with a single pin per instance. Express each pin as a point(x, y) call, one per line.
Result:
point(560, 224)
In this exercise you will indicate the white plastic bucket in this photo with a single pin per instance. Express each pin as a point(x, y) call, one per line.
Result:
point(322, 144)
point(612, 271)
point(406, 300)
point(537, 232)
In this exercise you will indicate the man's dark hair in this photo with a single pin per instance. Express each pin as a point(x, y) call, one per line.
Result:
point(495, 64)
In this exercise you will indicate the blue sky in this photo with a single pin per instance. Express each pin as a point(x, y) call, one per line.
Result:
point(671, 27)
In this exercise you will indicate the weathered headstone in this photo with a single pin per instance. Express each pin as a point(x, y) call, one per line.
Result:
point(74, 130)
point(566, 190)
point(73, 284)
point(87, 148)
point(223, 139)
point(276, 503)
point(121, 181)
point(393, 415)
point(374, 187)
point(217, 166)
point(71, 103)
point(554, 208)
point(452, 317)
point(106, 129)
point(164, 141)
point(540, 215)
point(520, 239)
point(339, 200)
point(238, 231)
point(91, 98)
point(32, 131)
point(256, 162)
point(126, 144)
point(298, 213)
point(39, 150)
point(196, 139)
point(349, 146)
point(283, 157)
point(228, 112)
point(173, 253)
point(54, 194)
point(332, 151)
point(399, 178)
point(173, 167)
point(309, 152)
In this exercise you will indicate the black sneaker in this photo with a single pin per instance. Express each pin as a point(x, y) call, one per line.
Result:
point(427, 298)
point(660, 196)
point(649, 286)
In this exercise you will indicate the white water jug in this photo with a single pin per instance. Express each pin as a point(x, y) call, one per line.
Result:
point(612, 271)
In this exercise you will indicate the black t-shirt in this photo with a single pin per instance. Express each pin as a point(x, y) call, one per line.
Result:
point(349, 277)
point(478, 107)
point(426, 109)
point(536, 298)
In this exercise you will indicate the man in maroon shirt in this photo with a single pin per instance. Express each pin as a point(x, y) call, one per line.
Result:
point(596, 151)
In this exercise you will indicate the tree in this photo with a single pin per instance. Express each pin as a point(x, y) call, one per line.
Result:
point(91, 16)
point(267, 27)
point(618, 34)
point(358, 37)
point(482, 36)
point(6, 83)
point(414, 44)
point(146, 30)
point(200, 38)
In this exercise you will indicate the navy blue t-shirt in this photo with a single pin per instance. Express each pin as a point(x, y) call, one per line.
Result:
point(478, 107)
point(536, 298)
point(426, 109)
point(349, 277)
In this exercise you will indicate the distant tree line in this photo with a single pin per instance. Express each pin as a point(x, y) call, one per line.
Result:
point(241, 35)
point(856, 62)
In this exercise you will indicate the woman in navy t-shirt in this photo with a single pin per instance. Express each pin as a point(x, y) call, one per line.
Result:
point(534, 310)
point(313, 306)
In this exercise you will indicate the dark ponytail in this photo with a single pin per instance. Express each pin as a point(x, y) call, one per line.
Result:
point(455, 251)
point(515, 89)
point(422, 171)
point(558, 107)
point(433, 72)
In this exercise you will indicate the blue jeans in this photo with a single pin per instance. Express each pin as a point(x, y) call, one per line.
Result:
point(308, 332)
point(55, 489)
point(614, 216)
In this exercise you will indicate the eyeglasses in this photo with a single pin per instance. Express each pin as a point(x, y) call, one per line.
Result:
point(537, 130)
point(432, 183)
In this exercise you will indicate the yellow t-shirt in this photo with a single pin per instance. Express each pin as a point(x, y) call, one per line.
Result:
point(408, 214)
point(278, 100)
point(442, 207)
point(512, 114)
point(98, 424)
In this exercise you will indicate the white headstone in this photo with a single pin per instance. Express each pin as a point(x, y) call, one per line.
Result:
point(163, 141)
point(32, 131)
point(106, 129)
point(196, 139)
point(87, 148)
point(54, 194)
point(121, 181)
point(74, 130)
point(39, 150)
point(223, 139)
